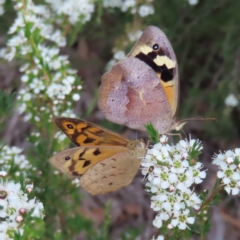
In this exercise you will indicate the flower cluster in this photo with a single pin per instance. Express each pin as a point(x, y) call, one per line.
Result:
point(117, 56)
point(125, 5)
point(75, 11)
point(229, 170)
point(135, 35)
point(47, 76)
point(14, 205)
point(120, 54)
point(145, 10)
point(12, 156)
point(171, 171)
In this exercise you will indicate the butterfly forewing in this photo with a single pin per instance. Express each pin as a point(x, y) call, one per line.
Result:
point(156, 51)
point(83, 133)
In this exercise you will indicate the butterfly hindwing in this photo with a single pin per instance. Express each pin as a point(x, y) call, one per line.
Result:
point(114, 172)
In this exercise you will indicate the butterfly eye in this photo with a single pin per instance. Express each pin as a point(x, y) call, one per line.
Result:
point(70, 126)
point(155, 47)
point(140, 145)
point(67, 158)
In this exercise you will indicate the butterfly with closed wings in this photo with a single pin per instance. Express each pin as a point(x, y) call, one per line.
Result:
point(144, 86)
point(104, 160)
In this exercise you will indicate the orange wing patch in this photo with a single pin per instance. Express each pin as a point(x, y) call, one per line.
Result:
point(76, 161)
point(84, 133)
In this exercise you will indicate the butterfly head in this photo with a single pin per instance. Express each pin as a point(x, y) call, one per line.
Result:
point(179, 125)
point(136, 144)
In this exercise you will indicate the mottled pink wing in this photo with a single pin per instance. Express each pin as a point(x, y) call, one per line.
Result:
point(131, 94)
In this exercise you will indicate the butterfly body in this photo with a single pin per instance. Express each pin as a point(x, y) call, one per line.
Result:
point(143, 87)
point(105, 161)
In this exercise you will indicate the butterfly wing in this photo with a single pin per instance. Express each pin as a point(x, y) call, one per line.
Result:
point(84, 133)
point(162, 60)
point(113, 173)
point(143, 88)
point(76, 161)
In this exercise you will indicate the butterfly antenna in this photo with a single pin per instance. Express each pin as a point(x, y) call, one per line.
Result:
point(198, 118)
point(181, 123)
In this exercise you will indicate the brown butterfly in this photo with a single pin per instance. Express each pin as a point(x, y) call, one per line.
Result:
point(144, 87)
point(105, 161)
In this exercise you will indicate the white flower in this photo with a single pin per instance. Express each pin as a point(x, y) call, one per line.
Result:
point(112, 3)
point(229, 172)
point(145, 10)
point(119, 55)
point(134, 36)
point(76, 97)
point(181, 219)
point(1, 10)
point(3, 173)
point(27, 97)
point(76, 182)
point(68, 113)
point(37, 85)
point(193, 2)
point(127, 4)
point(24, 78)
point(231, 100)
point(11, 155)
point(160, 237)
point(79, 11)
point(157, 222)
point(8, 53)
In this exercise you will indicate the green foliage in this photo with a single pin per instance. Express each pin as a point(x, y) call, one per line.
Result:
point(7, 104)
point(195, 151)
point(131, 233)
point(152, 133)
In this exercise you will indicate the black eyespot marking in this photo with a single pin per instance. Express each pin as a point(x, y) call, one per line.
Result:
point(67, 158)
point(70, 126)
point(110, 184)
point(155, 47)
point(97, 152)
